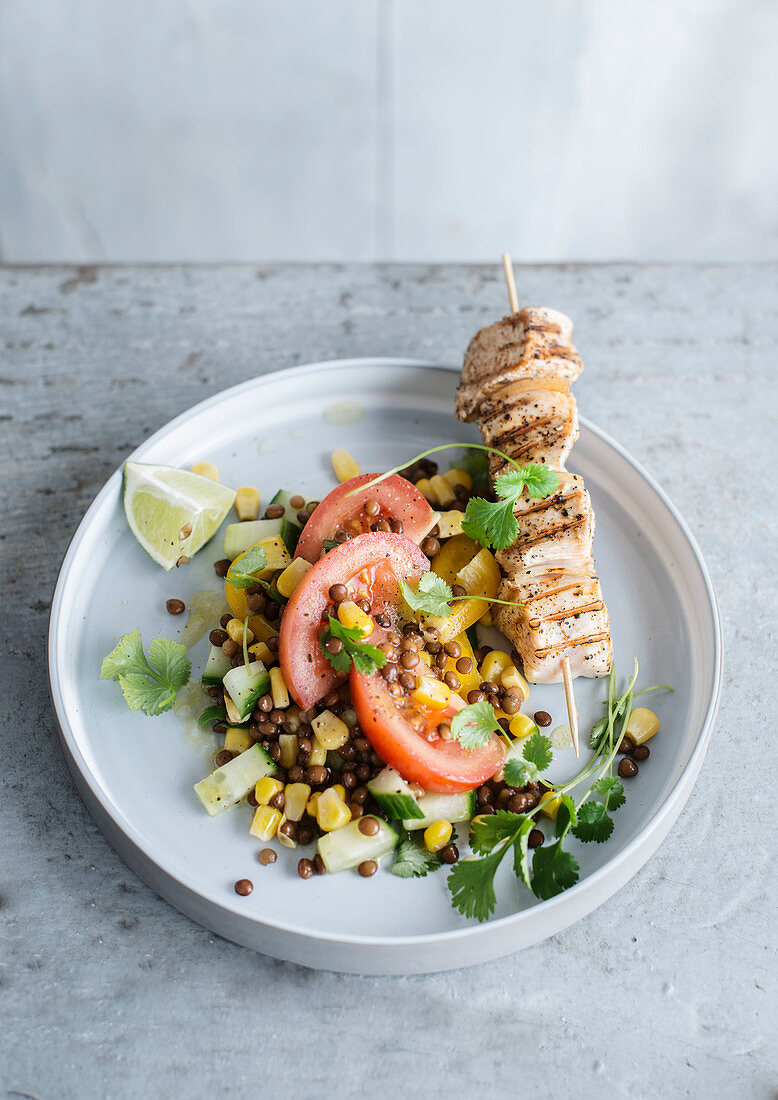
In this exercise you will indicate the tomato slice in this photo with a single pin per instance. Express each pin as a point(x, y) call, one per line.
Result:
point(368, 566)
point(397, 499)
point(440, 766)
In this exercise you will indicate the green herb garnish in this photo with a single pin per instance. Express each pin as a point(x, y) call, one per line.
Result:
point(474, 725)
point(241, 573)
point(149, 685)
point(211, 715)
point(414, 860)
point(366, 658)
point(492, 523)
point(535, 758)
point(434, 596)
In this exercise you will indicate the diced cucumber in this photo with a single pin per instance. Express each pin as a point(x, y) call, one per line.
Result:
point(233, 781)
point(442, 807)
point(345, 848)
point(240, 536)
point(216, 666)
point(245, 684)
point(393, 795)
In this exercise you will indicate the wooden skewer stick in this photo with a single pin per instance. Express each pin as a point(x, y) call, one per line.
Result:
point(572, 710)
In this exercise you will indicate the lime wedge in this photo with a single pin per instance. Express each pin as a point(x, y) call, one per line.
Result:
point(171, 512)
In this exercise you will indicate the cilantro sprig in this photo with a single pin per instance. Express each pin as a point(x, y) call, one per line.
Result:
point(365, 658)
point(149, 684)
point(492, 523)
point(241, 573)
point(414, 860)
point(434, 596)
point(474, 725)
point(553, 867)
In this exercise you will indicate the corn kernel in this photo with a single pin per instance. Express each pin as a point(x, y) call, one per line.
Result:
point(437, 835)
point(282, 837)
point(278, 689)
point(344, 465)
point(355, 618)
point(331, 811)
point(457, 476)
point(424, 485)
point(290, 747)
point(266, 789)
point(340, 789)
point(450, 523)
point(549, 804)
point(297, 795)
point(317, 756)
point(261, 651)
point(513, 680)
point(235, 628)
point(312, 804)
point(444, 494)
point(431, 693)
point(247, 503)
point(206, 469)
point(265, 823)
point(494, 664)
point(330, 732)
point(642, 725)
point(292, 575)
point(521, 725)
point(238, 740)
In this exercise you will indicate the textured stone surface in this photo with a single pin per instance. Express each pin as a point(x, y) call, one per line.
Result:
point(668, 989)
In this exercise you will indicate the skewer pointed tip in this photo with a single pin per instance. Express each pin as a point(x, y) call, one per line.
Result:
point(572, 710)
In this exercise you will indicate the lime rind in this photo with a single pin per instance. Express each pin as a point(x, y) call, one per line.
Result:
point(173, 512)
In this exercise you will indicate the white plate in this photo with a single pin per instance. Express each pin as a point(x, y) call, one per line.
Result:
point(136, 773)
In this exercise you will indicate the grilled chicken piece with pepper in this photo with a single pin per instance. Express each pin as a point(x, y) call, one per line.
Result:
point(554, 532)
point(533, 343)
point(562, 614)
point(516, 382)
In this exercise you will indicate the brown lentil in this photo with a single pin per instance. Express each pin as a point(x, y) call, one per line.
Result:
point(256, 602)
point(278, 801)
point(449, 854)
point(628, 769)
point(272, 643)
point(517, 803)
point(475, 696)
point(359, 794)
point(409, 659)
point(223, 757)
point(274, 511)
point(288, 829)
point(641, 752)
point(305, 831)
point(430, 547)
point(363, 773)
point(218, 637)
point(627, 744)
point(175, 607)
point(511, 704)
point(453, 649)
point(296, 501)
point(542, 718)
point(452, 681)
point(535, 838)
point(338, 593)
point(244, 886)
point(484, 796)
point(368, 826)
point(318, 865)
point(222, 567)
point(317, 775)
point(407, 680)
point(464, 665)
point(272, 609)
point(367, 868)
point(305, 868)
point(277, 717)
point(267, 856)
point(230, 648)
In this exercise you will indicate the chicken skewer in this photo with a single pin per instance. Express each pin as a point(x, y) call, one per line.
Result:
point(516, 382)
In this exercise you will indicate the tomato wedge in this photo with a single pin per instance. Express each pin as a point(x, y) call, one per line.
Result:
point(440, 766)
point(368, 566)
point(397, 499)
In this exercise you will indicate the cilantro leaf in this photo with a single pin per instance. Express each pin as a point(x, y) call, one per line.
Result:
point(537, 755)
point(474, 725)
point(211, 715)
point(612, 790)
point(472, 885)
point(487, 830)
point(599, 735)
point(151, 687)
point(431, 596)
point(537, 749)
point(126, 657)
point(553, 870)
point(414, 860)
point(594, 823)
point(365, 657)
point(540, 481)
point(566, 816)
point(521, 852)
point(241, 573)
point(490, 523)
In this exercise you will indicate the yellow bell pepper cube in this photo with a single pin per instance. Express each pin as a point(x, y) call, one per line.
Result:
point(456, 553)
point(238, 740)
point(480, 577)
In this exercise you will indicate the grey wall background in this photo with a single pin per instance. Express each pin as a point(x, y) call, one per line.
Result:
point(388, 129)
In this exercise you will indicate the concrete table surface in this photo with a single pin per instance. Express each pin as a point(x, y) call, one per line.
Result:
point(667, 990)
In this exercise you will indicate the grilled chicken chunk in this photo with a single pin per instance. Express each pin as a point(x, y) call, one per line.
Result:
point(562, 614)
point(533, 343)
point(516, 383)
